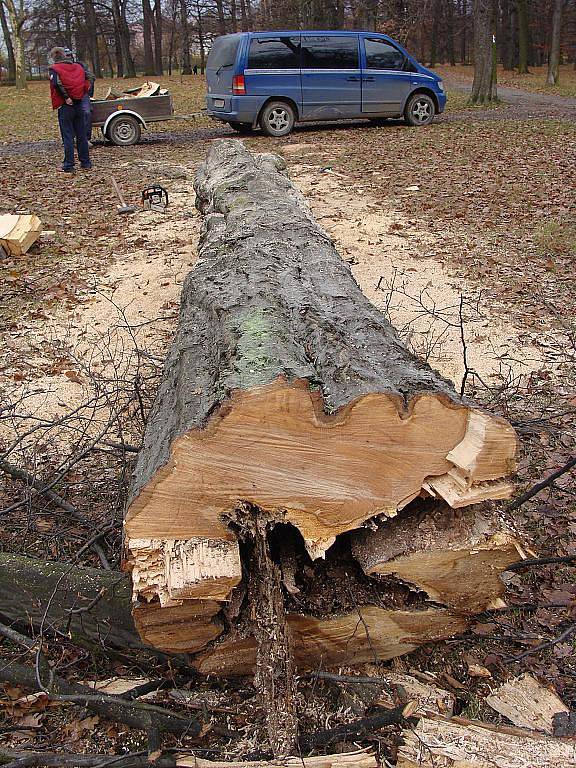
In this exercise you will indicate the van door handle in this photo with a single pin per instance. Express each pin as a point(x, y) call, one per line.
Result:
point(353, 79)
point(368, 79)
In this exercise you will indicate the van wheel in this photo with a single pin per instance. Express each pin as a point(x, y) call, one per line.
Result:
point(124, 131)
point(241, 127)
point(420, 110)
point(277, 118)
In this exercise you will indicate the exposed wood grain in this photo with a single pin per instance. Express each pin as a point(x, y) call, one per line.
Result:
point(527, 703)
point(457, 743)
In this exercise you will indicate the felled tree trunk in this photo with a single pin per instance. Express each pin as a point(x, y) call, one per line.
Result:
point(289, 397)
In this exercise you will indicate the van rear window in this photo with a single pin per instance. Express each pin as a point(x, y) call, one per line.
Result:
point(223, 52)
point(274, 53)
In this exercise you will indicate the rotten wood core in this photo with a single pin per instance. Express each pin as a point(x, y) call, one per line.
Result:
point(286, 392)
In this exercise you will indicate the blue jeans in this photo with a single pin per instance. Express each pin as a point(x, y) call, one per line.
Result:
point(73, 126)
point(87, 109)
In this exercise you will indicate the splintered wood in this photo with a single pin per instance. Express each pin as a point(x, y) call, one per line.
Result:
point(288, 394)
point(362, 758)
point(527, 703)
point(458, 743)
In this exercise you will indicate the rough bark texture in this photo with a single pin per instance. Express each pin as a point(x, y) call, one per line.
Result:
point(90, 604)
point(484, 85)
point(288, 392)
point(555, 35)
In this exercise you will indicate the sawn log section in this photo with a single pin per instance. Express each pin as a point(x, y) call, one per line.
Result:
point(288, 392)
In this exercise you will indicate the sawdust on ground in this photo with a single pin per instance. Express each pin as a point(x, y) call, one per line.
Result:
point(138, 297)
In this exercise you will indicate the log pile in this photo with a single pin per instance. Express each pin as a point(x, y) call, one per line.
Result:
point(294, 435)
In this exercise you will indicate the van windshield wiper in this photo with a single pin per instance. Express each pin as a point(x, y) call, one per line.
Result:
point(221, 67)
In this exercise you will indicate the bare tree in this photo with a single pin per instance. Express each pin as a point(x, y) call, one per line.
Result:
point(554, 59)
point(8, 42)
point(17, 17)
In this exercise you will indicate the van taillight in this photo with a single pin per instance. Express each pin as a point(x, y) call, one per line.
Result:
point(238, 85)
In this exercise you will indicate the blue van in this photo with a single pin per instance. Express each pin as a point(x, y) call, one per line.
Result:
point(275, 79)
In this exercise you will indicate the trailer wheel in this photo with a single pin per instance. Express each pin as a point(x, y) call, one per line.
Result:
point(124, 131)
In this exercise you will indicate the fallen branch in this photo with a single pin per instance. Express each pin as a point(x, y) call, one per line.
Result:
point(543, 646)
point(540, 561)
point(10, 758)
point(358, 729)
point(135, 714)
point(543, 484)
point(45, 490)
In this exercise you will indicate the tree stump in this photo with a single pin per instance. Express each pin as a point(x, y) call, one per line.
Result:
point(287, 397)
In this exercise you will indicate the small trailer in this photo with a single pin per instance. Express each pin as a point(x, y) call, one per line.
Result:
point(121, 120)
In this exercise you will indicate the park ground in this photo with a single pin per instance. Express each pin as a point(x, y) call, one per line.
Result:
point(472, 219)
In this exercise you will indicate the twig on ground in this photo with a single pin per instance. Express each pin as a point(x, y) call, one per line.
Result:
point(45, 490)
point(517, 502)
point(355, 730)
point(543, 646)
point(529, 563)
point(10, 758)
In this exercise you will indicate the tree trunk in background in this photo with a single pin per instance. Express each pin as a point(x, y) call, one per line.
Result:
point(8, 42)
point(434, 36)
point(185, 40)
point(506, 37)
point(127, 60)
point(464, 31)
point(523, 33)
point(221, 19)
point(201, 43)
point(554, 60)
point(172, 32)
point(157, 22)
point(233, 19)
point(243, 17)
point(17, 17)
point(484, 85)
point(147, 30)
point(92, 51)
point(450, 32)
point(67, 23)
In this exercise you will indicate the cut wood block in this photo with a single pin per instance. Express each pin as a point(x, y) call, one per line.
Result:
point(19, 232)
point(458, 743)
point(148, 89)
point(527, 703)
point(456, 557)
point(361, 758)
point(380, 635)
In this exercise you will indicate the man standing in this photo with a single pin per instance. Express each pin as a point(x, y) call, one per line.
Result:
point(86, 105)
point(68, 85)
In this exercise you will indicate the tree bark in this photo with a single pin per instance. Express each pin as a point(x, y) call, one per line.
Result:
point(148, 26)
point(17, 17)
point(554, 59)
point(506, 35)
point(288, 393)
point(484, 85)
point(523, 35)
point(158, 35)
point(8, 42)
point(434, 34)
point(185, 39)
point(221, 20)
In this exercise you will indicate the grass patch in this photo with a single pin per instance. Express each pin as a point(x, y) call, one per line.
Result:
point(29, 117)
point(556, 238)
